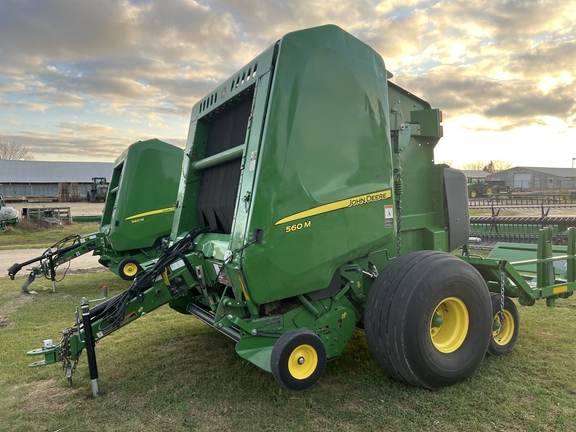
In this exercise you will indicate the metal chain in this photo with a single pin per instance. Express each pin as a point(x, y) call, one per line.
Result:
point(69, 362)
point(398, 189)
point(502, 288)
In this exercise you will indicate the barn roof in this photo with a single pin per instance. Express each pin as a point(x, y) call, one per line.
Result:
point(52, 172)
point(558, 172)
point(475, 173)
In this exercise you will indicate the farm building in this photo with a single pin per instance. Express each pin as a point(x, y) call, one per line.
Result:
point(537, 178)
point(475, 173)
point(31, 179)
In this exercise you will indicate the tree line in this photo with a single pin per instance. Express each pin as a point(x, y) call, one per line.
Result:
point(11, 150)
point(491, 167)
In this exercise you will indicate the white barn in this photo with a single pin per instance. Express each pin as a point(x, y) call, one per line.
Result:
point(38, 178)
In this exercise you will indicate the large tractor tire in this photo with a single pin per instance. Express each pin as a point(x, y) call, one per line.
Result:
point(473, 193)
point(428, 319)
point(298, 359)
point(504, 333)
point(128, 268)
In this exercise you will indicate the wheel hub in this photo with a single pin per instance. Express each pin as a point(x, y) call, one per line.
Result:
point(302, 362)
point(449, 325)
point(503, 332)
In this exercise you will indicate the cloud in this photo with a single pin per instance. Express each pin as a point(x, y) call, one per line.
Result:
point(29, 106)
point(64, 29)
point(110, 63)
point(86, 129)
point(10, 121)
point(158, 125)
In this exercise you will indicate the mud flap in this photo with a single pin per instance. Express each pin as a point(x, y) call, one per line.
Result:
point(30, 279)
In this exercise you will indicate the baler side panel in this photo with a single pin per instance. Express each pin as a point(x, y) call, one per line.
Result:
point(324, 169)
point(144, 202)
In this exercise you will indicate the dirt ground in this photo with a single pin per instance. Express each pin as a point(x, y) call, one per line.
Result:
point(85, 263)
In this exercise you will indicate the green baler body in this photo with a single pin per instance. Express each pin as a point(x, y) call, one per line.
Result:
point(138, 212)
point(139, 207)
point(316, 174)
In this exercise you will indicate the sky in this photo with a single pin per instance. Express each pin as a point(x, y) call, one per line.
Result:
point(80, 80)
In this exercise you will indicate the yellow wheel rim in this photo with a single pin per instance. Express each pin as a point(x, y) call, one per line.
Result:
point(489, 191)
point(473, 194)
point(449, 325)
point(502, 333)
point(303, 362)
point(130, 269)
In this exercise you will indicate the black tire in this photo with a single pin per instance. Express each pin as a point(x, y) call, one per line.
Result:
point(473, 193)
point(402, 324)
point(128, 268)
point(504, 336)
point(298, 359)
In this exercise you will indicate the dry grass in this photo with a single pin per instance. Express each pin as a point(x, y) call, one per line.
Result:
point(168, 371)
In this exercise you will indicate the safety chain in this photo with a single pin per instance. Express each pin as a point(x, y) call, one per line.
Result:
point(502, 287)
point(398, 189)
point(69, 362)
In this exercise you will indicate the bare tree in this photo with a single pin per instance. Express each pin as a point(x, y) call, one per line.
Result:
point(12, 150)
point(474, 166)
point(495, 166)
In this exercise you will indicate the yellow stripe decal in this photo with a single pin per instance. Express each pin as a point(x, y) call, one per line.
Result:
point(560, 289)
point(153, 212)
point(338, 205)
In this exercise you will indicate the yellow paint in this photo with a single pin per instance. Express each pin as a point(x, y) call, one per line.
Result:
point(302, 362)
point(243, 287)
point(338, 205)
point(560, 289)
point(153, 212)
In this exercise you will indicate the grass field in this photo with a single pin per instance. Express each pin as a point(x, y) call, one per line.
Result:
point(28, 235)
point(170, 372)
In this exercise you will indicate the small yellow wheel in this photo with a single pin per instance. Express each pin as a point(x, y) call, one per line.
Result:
point(449, 325)
point(128, 268)
point(298, 359)
point(504, 333)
